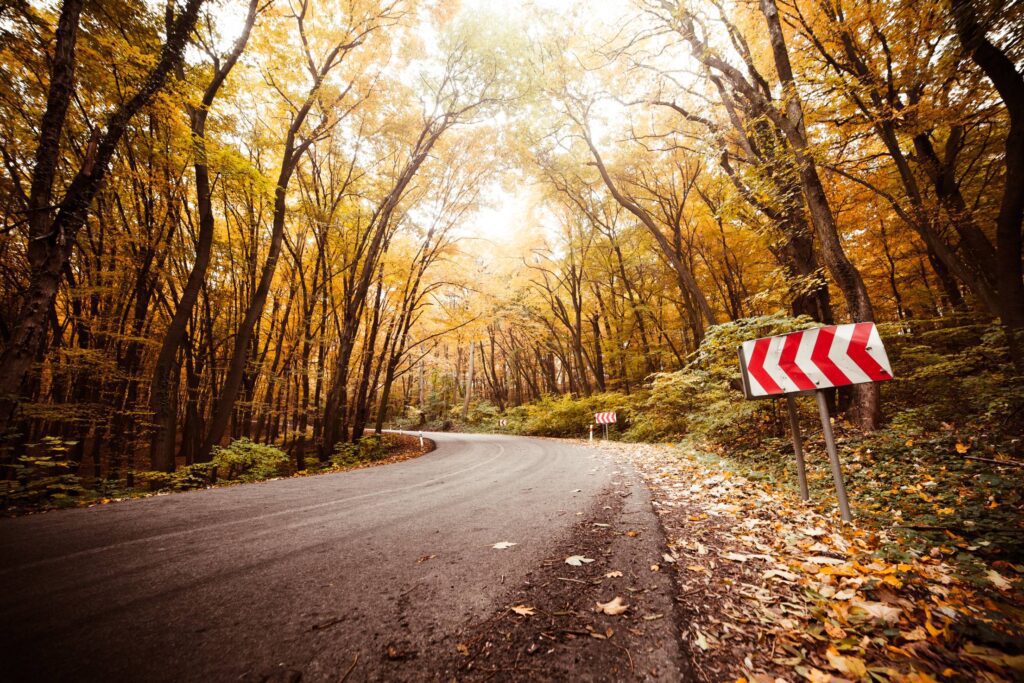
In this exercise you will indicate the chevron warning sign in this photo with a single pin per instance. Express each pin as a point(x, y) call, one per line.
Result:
point(832, 356)
point(605, 418)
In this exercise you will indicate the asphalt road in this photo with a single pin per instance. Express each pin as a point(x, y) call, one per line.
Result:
point(281, 578)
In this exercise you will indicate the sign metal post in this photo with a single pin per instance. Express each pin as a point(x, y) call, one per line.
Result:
point(798, 448)
point(833, 456)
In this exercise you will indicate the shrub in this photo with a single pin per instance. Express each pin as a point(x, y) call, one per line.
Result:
point(196, 476)
point(411, 418)
point(245, 460)
point(704, 399)
point(371, 447)
point(44, 478)
point(568, 416)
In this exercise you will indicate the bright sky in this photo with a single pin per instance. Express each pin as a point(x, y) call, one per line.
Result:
point(510, 206)
point(506, 211)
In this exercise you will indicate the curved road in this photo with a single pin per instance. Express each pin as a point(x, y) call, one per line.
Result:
point(289, 577)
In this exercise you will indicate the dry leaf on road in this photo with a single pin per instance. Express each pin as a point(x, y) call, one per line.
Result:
point(879, 611)
point(851, 666)
point(503, 545)
point(523, 610)
point(577, 560)
point(612, 607)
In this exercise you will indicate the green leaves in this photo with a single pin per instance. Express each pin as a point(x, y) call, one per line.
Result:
point(249, 461)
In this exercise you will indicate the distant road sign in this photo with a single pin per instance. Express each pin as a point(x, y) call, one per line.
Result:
point(502, 423)
point(605, 418)
point(824, 357)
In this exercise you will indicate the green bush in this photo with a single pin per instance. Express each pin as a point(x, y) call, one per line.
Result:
point(483, 416)
point(411, 418)
point(568, 416)
point(957, 375)
point(195, 476)
point(246, 460)
point(704, 399)
point(371, 447)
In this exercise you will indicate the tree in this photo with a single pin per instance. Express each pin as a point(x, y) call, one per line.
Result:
point(165, 374)
point(54, 226)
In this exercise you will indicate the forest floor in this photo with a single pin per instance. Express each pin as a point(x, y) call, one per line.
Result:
point(771, 588)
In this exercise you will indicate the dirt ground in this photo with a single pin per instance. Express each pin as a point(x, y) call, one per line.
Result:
point(562, 633)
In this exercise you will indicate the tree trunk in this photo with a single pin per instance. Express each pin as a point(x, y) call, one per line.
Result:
point(165, 371)
point(1003, 73)
point(53, 245)
point(846, 275)
point(469, 384)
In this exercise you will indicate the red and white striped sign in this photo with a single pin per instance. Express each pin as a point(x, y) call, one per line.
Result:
point(832, 356)
point(604, 418)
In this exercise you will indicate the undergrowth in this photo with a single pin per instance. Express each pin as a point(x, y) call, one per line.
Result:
point(45, 478)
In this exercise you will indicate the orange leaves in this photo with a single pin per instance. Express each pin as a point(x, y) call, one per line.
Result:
point(849, 666)
point(782, 588)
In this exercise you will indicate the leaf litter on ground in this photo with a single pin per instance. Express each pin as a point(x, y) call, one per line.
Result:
point(771, 589)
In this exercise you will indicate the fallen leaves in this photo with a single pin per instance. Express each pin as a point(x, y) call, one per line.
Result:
point(998, 580)
point(845, 594)
point(503, 545)
point(770, 587)
point(849, 666)
point(613, 574)
point(578, 560)
point(523, 610)
point(743, 557)
point(879, 611)
point(613, 607)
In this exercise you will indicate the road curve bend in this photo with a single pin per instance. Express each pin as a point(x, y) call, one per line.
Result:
point(290, 577)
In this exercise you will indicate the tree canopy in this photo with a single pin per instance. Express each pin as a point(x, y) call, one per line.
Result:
point(298, 221)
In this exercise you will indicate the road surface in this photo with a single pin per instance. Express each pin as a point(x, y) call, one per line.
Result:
point(292, 577)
